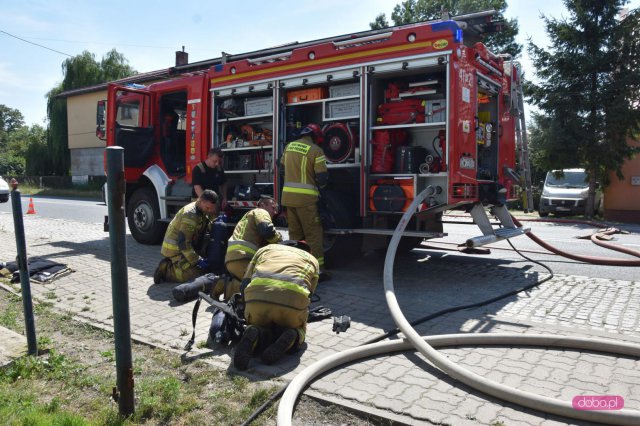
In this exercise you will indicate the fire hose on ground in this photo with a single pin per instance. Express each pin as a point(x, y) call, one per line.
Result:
point(426, 346)
point(595, 260)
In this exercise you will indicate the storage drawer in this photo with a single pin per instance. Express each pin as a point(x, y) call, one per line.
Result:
point(258, 106)
point(304, 95)
point(346, 108)
point(352, 89)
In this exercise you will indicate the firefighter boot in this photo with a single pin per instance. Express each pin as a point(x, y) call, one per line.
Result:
point(245, 348)
point(161, 271)
point(276, 351)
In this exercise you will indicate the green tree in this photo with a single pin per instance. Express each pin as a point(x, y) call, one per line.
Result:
point(10, 120)
point(590, 85)
point(79, 71)
point(11, 155)
point(13, 159)
point(411, 11)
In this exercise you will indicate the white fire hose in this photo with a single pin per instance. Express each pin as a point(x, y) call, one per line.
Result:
point(426, 346)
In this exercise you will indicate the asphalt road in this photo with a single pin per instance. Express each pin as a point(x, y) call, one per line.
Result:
point(563, 236)
point(79, 210)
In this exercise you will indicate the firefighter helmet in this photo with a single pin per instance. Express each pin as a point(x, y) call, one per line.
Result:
point(315, 131)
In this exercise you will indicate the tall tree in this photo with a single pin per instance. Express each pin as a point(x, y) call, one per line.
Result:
point(10, 120)
point(16, 141)
point(410, 11)
point(590, 86)
point(79, 71)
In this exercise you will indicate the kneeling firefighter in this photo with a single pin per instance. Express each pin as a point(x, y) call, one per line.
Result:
point(252, 232)
point(181, 261)
point(277, 288)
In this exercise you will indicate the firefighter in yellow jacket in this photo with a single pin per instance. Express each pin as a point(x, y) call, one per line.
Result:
point(181, 262)
point(252, 232)
point(277, 288)
point(305, 170)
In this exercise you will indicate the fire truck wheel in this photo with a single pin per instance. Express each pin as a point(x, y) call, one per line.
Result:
point(143, 216)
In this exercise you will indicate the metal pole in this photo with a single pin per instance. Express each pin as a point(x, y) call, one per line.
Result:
point(21, 259)
point(119, 279)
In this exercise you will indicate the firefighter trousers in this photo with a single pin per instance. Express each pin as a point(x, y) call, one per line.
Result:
point(180, 270)
point(236, 269)
point(269, 316)
point(305, 224)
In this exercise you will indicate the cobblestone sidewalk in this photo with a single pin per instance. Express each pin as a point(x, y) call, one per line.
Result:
point(401, 387)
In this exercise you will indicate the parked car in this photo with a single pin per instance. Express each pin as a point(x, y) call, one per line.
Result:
point(4, 190)
point(566, 191)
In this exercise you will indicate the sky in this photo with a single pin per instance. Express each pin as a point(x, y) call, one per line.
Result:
point(149, 32)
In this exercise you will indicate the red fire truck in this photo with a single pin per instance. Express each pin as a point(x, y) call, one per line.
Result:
point(402, 109)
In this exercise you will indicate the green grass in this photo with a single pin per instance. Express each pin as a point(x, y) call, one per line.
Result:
point(70, 382)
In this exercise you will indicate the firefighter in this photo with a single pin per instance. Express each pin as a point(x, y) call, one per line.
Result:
point(181, 262)
point(252, 232)
point(305, 171)
point(209, 174)
point(277, 288)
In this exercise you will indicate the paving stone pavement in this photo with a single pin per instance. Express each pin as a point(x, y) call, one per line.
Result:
point(402, 387)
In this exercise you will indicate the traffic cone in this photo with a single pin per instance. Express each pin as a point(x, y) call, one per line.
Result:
point(31, 209)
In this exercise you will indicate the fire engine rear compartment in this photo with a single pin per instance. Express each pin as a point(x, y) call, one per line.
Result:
point(345, 104)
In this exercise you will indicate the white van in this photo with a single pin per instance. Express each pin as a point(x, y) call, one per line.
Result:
point(566, 191)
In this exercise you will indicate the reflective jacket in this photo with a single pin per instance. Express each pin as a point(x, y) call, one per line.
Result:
point(185, 229)
point(305, 169)
point(281, 275)
point(253, 231)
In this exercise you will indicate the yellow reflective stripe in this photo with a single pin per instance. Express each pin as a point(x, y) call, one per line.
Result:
point(303, 170)
point(300, 190)
point(320, 159)
point(287, 278)
point(300, 148)
point(299, 185)
point(280, 284)
point(170, 246)
point(321, 261)
point(241, 247)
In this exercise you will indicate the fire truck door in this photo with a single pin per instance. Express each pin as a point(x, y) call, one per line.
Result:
point(132, 126)
point(173, 111)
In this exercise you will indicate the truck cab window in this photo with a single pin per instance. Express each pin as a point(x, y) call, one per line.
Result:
point(173, 110)
point(128, 114)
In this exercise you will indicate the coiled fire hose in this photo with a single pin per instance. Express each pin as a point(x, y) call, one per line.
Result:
point(426, 346)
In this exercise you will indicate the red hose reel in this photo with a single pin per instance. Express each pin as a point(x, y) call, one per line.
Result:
point(339, 142)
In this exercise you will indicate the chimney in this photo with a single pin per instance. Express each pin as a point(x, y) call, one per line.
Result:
point(182, 58)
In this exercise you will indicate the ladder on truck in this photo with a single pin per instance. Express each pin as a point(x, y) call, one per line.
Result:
point(522, 141)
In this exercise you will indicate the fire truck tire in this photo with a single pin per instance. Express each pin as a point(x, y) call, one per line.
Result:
point(341, 248)
point(143, 217)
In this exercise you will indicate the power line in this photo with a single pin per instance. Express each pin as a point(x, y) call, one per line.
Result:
point(117, 44)
point(35, 44)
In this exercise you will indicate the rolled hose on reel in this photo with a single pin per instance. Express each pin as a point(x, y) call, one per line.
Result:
point(339, 142)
